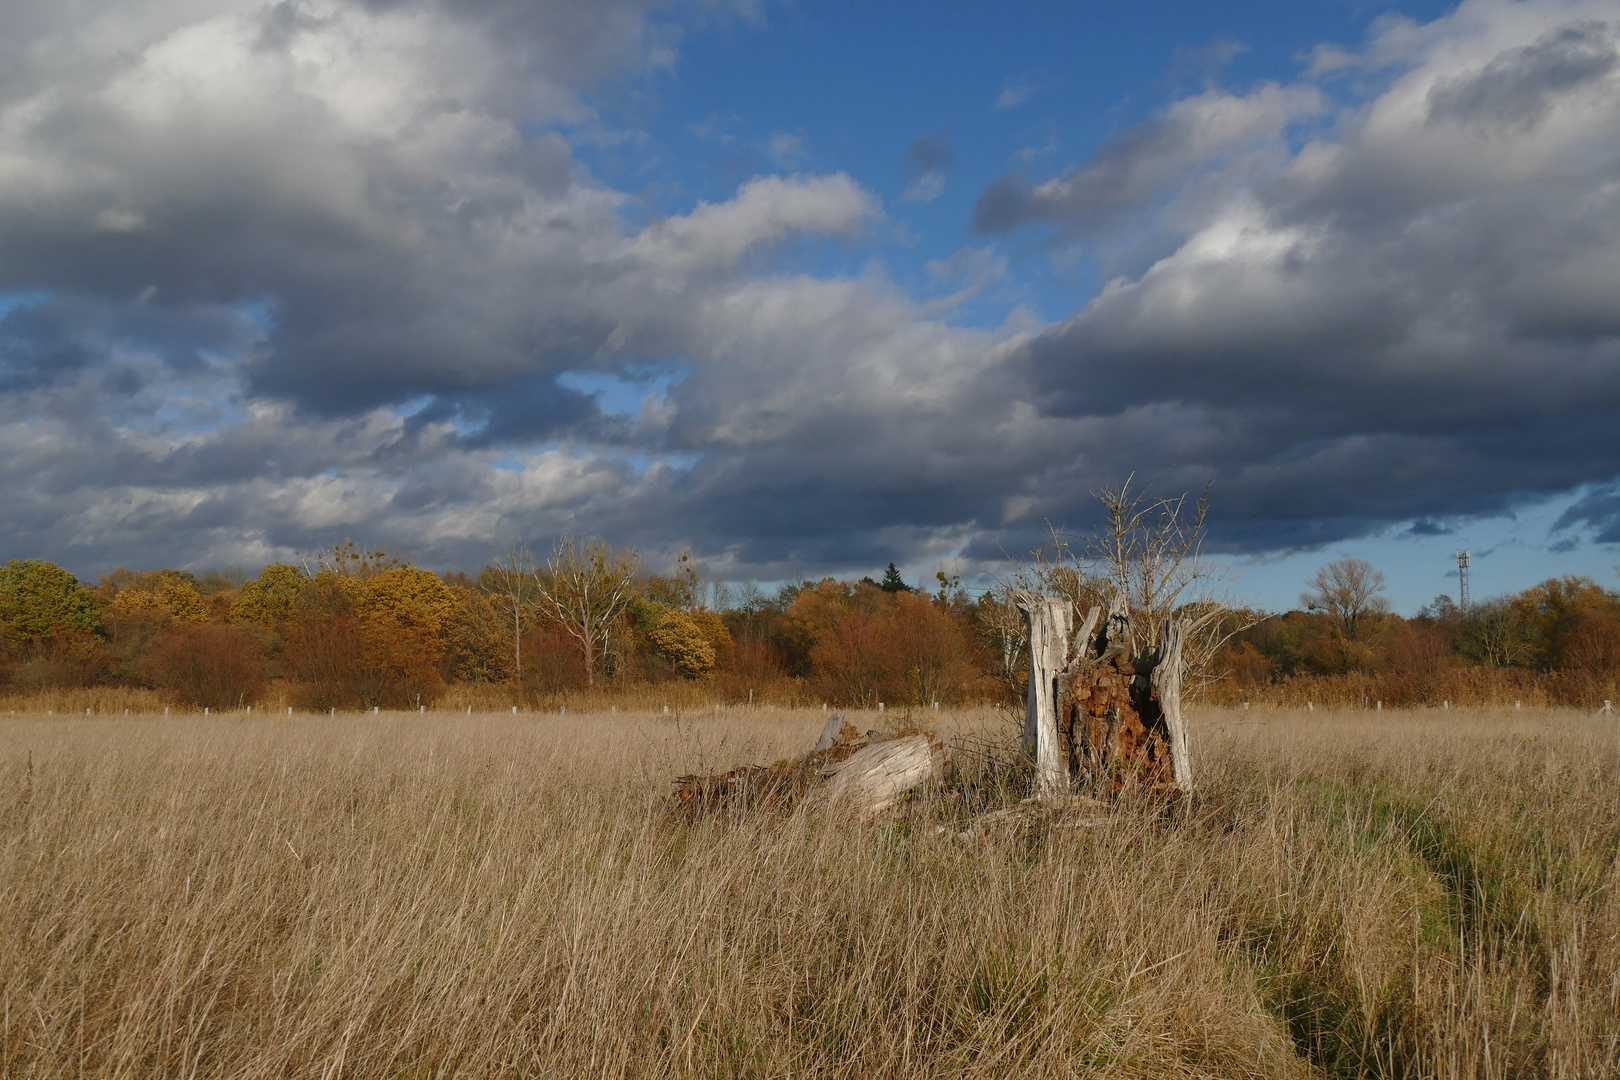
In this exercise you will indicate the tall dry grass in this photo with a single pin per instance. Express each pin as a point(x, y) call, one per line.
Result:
point(1405, 895)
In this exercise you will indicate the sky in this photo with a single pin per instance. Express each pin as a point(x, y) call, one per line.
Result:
point(806, 289)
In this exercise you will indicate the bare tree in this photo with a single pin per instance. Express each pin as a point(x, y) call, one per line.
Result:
point(1346, 591)
point(1147, 556)
point(586, 586)
point(510, 579)
point(1496, 634)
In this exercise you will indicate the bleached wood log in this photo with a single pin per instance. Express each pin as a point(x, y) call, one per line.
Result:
point(874, 778)
point(1047, 619)
point(1167, 681)
point(829, 734)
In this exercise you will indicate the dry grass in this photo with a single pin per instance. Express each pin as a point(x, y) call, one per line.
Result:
point(1405, 895)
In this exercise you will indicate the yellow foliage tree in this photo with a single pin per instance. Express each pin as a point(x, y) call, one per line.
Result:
point(164, 594)
point(272, 599)
point(413, 596)
point(682, 641)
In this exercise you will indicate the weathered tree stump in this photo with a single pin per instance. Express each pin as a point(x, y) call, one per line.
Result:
point(1100, 711)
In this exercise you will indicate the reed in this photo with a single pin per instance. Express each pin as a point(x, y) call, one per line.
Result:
point(1348, 894)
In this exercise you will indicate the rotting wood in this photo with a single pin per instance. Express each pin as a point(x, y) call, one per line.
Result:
point(829, 734)
point(855, 772)
point(1118, 715)
point(1167, 685)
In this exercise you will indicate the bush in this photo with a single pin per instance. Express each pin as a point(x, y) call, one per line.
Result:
point(210, 664)
point(344, 659)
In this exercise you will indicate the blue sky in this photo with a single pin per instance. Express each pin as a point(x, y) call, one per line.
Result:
point(811, 288)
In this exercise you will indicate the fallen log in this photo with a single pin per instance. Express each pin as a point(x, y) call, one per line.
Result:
point(863, 774)
point(874, 778)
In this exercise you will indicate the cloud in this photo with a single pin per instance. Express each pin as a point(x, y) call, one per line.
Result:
point(1014, 92)
point(270, 276)
point(925, 164)
point(785, 151)
point(1390, 316)
point(1132, 169)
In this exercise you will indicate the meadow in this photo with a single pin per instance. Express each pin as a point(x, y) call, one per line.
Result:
point(1402, 894)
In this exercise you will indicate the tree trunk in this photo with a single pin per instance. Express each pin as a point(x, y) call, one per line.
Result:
point(1048, 619)
point(1167, 681)
point(873, 779)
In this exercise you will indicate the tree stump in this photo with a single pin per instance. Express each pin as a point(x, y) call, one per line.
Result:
point(1101, 711)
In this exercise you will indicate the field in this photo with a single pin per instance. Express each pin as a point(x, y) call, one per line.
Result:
point(1348, 894)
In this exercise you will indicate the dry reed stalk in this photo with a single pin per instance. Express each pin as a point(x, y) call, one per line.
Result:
point(1403, 895)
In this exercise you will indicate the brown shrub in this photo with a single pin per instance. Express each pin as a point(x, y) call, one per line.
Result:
point(68, 659)
point(552, 661)
point(342, 659)
point(210, 665)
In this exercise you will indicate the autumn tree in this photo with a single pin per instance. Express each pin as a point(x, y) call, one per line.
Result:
point(478, 637)
point(510, 582)
point(681, 641)
point(271, 599)
point(1346, 593)
point(356, 646)
point(584, 588)
point(1554, 613)
point(160, 596)
point(214, 665)
point(39, 599)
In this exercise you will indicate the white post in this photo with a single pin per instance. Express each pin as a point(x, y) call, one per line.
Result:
point(880, 707)
point(289, 710)
point(1380, 707)
point(514, 710)
point(1047, 619)
point(1310, 706)
point(666, 710)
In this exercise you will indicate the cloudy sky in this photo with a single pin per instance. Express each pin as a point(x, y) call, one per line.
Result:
point(811, 287)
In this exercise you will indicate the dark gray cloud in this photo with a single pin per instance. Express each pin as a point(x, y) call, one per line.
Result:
point(930, 153)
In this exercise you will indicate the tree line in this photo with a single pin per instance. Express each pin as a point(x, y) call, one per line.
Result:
point(355, 628)
point(1555, 643)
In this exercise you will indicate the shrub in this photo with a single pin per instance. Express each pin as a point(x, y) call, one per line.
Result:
point(210, 664)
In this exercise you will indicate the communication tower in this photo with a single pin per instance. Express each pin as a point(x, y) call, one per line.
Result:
point(1463, 560)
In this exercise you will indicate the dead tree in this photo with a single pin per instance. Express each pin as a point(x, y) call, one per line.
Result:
point(1099, 710)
